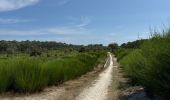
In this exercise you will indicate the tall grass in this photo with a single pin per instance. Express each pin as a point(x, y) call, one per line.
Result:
point(23, 74)
point(5, 76)
point(122, 52)
point(150, 65)
point(29, 75)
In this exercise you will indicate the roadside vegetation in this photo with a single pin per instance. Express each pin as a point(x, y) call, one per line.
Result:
point(34, 67)
point(147, 63)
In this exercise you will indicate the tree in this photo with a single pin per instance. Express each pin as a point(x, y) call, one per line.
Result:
point(82, 49)
point(113, 47)
point(134, 44)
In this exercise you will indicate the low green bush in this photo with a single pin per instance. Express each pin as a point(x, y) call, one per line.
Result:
point(6, 75)
point(150, 65)
point(122, 52)
point(30, 74)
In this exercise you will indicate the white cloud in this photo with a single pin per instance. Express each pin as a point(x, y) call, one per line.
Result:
point(65, 30)
point(83, 21)
point(62, 2)
point(70, 33)
point(13, 21)
point(8, 5)
point(73, 29)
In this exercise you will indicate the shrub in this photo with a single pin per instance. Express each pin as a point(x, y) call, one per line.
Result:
point(30, 74)
point(149, 66)
point(6, 72)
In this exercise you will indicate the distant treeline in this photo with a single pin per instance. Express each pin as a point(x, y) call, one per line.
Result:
point(11, 47)
point(133, 45)
point(125, 47)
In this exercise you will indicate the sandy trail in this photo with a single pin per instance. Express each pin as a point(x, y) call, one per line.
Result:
point(99, 90)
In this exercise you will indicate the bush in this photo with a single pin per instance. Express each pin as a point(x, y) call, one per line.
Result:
point(30, 74)
point(149, 66)
point(6, 74)
point(121, 52)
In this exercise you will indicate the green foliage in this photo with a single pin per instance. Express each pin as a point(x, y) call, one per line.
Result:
point(36, 48)
point(82, 49)
point(113, 47)
point(6, 74)
point(133, 45)
point(149, 66)
point(30, 74)
point(122, 52)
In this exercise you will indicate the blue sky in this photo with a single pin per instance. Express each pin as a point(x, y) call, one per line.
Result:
point(81, 21)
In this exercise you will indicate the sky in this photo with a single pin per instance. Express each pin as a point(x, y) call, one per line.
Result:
point(82, 21)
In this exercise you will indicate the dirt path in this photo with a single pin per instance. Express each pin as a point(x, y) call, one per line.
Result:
point(96, 85)
point(98, 90)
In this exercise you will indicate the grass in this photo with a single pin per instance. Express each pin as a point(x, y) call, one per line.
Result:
point(150, 65)
point(31, 74)
point(5, 76)
point(122, 52)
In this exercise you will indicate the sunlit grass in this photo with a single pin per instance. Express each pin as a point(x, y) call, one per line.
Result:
point(30, 74)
